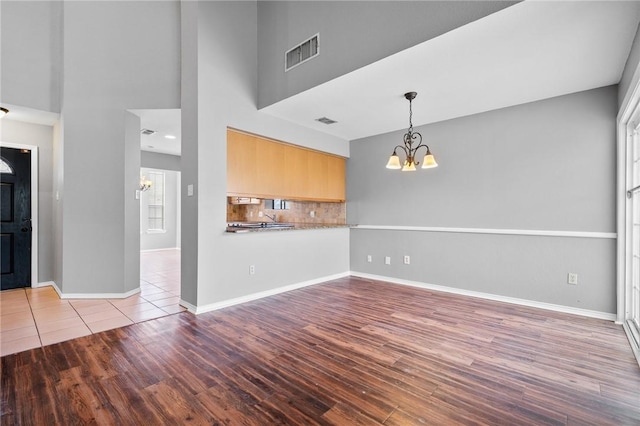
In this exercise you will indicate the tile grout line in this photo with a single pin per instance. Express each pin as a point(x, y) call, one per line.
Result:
point(35, 323)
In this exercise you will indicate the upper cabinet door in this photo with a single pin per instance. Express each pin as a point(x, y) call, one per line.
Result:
point(263, 168)
point(241, 163)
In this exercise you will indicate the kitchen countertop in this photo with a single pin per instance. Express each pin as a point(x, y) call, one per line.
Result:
point(295, 227)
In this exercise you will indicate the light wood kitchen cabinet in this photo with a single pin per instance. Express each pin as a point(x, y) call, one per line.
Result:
point(241, 160)
point(263, 168)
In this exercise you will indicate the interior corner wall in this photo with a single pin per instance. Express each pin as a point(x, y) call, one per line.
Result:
point(353, 34)
point(106, 73)
point(189, 115)
point(131, 199)
point(39, 135)
point(220, 91)
point(58, 203)
point(546, 166)
point(633, 60)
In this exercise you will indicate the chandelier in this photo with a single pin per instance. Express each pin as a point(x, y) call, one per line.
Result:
point(411, 138)
point(145, 184)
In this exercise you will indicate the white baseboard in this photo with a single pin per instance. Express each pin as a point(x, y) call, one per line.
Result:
point(250, 297)
point(523, 302)
point(160, 249)
point(93, 295)
point(43, 284)
point(191, 308)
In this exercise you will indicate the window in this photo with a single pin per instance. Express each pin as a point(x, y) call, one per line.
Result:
point(156, 201)
point(5, 167)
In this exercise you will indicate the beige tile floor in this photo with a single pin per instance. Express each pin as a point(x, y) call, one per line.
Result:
point(34, 317)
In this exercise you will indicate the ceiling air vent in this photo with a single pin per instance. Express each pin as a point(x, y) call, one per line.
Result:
point(326, 120)
point(147, 132)
point(303, 52)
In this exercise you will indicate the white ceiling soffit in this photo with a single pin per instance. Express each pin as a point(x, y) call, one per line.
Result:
point(30, 115)
point(527, 52)
point(166, 122)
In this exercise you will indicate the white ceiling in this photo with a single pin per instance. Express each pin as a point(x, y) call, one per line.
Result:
point(165, 122)
point(527, 52)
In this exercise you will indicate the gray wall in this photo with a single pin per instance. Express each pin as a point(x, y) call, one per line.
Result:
point(352, 34)
point(156, 160)
point(42, 137)
point(219, 90)
point(131, 246)
point(31, 46)
point(107, 72)
point(73, 45)
point(547, 165)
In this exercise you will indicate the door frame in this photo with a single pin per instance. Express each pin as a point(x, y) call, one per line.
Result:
point(34, 206)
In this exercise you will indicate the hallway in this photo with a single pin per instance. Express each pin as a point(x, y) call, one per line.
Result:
point(35, 317)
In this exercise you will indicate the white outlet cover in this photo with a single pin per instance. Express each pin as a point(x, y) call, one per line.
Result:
point(387, 260)
point(369, 259)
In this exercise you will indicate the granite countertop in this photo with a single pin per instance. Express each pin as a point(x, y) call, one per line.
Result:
point(294, 227)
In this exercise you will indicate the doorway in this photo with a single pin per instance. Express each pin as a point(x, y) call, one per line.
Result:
point(16, 221)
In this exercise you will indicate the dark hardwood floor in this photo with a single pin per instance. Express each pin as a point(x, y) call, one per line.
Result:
point(348, 352)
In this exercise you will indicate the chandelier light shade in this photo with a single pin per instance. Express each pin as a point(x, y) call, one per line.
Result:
point(411, 138)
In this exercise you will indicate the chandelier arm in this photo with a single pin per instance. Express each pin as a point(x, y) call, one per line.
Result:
point(403, 148)
point(422, 145)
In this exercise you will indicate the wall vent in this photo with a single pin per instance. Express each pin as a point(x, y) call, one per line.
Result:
point(147, 132)
point(301, 53)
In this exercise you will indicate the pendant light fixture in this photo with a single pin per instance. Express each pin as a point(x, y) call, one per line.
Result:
point(411, 138)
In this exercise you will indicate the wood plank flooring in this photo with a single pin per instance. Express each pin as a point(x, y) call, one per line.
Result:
point(348, 352)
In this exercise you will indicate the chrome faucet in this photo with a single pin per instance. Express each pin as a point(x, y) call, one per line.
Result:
point(273, 218)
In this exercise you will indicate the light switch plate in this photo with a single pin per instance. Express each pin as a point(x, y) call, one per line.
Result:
point(190, 190)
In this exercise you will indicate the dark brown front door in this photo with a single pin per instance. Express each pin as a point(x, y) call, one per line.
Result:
point(15, 218)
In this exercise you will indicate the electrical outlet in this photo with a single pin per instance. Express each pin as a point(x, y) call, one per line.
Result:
point(260, 214)
point(387, 260)
point(407, 260)
point(572, 278)
point(312, 213)
point(369, 259)
point(252, 269)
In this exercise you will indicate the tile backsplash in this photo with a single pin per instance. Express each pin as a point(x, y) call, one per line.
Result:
point(298, 212)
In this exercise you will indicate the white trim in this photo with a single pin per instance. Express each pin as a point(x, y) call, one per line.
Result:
point(34, 205)
point(527, 232)
point(160, 249)
point(523, 302)
point(44, 284)
point(632, 341)
point(191, 308)
point(250, 297)
point(94, 295)
point(628, 108)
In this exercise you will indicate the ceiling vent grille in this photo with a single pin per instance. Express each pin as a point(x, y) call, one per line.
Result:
point(147, 132)
point(302, 53)
point(326, 120)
